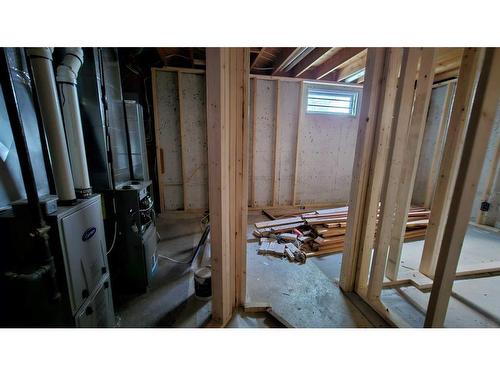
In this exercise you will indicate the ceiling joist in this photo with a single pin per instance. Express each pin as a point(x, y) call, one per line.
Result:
point(334, 62)
point(307, 61)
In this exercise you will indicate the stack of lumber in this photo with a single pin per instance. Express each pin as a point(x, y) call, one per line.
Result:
point(322, 232)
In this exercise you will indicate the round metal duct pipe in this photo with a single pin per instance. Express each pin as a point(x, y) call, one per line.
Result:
point(43, 76)
point(67, 73)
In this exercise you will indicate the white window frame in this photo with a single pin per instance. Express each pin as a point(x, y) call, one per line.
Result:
point(334, 91)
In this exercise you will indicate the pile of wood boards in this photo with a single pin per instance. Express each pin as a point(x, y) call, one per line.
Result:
point(321, 232)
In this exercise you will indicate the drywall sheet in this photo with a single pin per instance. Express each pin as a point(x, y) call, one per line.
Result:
point(431, 149)
point(170, 176)
point(289, 96)
point(326, 144)
point(263, 142)
point(194, 140)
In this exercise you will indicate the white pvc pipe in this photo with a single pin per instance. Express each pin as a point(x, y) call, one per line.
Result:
point(43, 76)
point(67, 74)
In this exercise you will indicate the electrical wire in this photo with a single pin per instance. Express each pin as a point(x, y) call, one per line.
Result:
point(114, 238)
point(202, 241)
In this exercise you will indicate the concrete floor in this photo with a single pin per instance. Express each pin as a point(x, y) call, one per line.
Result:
point(303, 295)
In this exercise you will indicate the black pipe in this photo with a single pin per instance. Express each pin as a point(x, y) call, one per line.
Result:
point(39, 229)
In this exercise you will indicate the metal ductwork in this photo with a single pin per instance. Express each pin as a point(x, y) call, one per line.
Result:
point(67, 74)
point(43, 75)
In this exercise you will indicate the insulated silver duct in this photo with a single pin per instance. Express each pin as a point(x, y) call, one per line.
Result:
point(43, 76)
point(67, 74)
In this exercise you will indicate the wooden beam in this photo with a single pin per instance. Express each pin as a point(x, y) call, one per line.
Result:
point(415, 136)
point(239, 105)
point(474, 151)
point(466, 84)
point(380, 153)
point(277, 148)
point(352, 66)
point(297, 146)
point(307, 61)
point(397, 149)
point(282, 58)
point(364, 143)
point(217, 84)
point(437, 149)
point(334, 62)
point(159, 151)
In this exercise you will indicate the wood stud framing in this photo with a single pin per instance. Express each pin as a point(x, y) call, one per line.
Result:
point(297, 147)
point(397, 148)
point(380, 153)
point(364, 143)
point(474, 150)
point(227, 120)
point(455, 137)
point(411, 156)
point(277, 148)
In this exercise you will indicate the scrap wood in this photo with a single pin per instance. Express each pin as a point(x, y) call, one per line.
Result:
point(273, 223)
point(330, 240)
point(272, 248)
point(256, 307)
point(335, 225)
point(328, 232)
point(323, 220)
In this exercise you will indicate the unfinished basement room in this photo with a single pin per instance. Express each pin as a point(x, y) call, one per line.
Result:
point(210, 189)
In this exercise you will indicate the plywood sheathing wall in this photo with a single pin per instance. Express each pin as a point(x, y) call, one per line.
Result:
point(181, 123)
point(325, 144)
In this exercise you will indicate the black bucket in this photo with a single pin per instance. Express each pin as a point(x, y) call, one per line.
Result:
point(203, 283)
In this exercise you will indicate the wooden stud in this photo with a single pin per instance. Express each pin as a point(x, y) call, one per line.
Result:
point(254, 140)
point(184, 153)
point(380, 152)
point(397, 149)
point(277, 149)
point(160, 169)
point(474, 150)
point(218, 174)
point(364, 143)
point(466, 84)
point(242, 176)
point(438, 145)
point(423, 92)
point(297, 147)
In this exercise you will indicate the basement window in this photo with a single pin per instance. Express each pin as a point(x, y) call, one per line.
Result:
point(331, 102)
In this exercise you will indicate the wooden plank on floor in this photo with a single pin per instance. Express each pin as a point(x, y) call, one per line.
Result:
point(474, 151)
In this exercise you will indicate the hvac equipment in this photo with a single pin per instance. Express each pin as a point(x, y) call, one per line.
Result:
point(113, 129)
point(54, 270)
